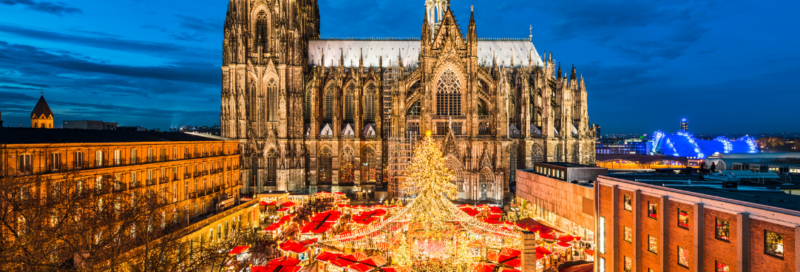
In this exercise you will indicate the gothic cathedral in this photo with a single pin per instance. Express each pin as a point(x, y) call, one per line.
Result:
point(324, 114)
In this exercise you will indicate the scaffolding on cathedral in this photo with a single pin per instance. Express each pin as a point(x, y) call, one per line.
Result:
point(401, 151)
point(430, 233)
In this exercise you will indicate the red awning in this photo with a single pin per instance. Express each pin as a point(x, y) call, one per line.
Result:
point(563, 244)
point(293, 246)
point(283, 209)
point(494, 209)
point(483, 267)
point(543, 250)
point(590, 252)
point(288, 204)
point(238, 250)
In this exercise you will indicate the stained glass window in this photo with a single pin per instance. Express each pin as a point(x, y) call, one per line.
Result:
point(348, 104)
point(329, 104)
point(448, 94)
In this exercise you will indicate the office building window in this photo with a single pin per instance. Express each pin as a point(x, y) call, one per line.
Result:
point(721, 267)
point(683, 219)
point(627, 234)
point(652, 244)
point(602, 265)
point(683, 257)
point(626, 203)
point(723, 230)
point(652, 210)
point(628, 264)
point(601, 243)
point(773, 244)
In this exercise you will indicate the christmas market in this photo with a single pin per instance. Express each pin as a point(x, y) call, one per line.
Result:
point(428, 232)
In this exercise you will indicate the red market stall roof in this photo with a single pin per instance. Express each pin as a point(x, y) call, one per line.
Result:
point(329, 216)
point(284, 261)
point(543, 251)
point(276, 268)
point(590, 252)
point(507, 257)
point(532, 225)
point(283, 209)
point(309, 242)
point(563, 244)
point(288, 204)
point(482, 267)
point(470, 211)
point(238, 250)
point(317, 227)
point(569, 238)
point(494, 209)
point(293, 247)
point(287, 217)
point(274, 226)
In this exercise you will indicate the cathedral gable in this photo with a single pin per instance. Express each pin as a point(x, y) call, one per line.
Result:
point(449, 31)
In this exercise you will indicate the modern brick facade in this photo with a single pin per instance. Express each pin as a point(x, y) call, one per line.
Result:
point(571, 201)
point(742, 245)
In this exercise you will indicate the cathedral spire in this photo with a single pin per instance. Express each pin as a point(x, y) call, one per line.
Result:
point(572, 76)
point(559, 67)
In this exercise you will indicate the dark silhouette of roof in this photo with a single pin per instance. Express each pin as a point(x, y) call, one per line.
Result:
point(41, 109)
point(42, 136)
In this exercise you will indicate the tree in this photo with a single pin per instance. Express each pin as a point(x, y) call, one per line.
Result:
point(61, 222)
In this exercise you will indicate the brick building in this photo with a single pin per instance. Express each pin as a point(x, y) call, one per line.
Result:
point(665, 224)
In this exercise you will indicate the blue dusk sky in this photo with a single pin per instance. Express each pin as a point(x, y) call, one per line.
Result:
point(728, 66)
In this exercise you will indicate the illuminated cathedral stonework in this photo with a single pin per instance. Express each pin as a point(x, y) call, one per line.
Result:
point(322, 114)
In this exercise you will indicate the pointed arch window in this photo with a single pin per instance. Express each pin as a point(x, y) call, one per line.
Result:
point(272, 100)
point(512, 167)
point(307, 108)
point(325, 165)
point(262, 30)
point(346, 171)
point(448, 94)
point(272, 166)
point(369, 105)
point(349, 105)
point(329, 104)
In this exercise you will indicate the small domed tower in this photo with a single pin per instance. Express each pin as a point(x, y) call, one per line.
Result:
point(42, 116)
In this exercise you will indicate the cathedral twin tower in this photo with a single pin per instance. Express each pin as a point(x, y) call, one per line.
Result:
point(319, 114)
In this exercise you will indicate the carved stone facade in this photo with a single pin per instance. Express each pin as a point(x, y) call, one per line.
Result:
point(318, 114)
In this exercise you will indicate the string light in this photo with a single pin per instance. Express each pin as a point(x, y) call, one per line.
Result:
point(430, 233)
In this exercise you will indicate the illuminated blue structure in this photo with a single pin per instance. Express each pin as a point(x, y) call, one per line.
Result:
point(684, 144)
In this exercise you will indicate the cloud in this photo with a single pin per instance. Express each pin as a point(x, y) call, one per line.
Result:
point(197, 29)
point(55, 8)
point(109, 42)
point(7, 96)
point(33, 60)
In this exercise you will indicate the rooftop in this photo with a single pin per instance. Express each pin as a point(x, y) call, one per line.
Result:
point(767, 193)
point(45, 136)
point(565, 164)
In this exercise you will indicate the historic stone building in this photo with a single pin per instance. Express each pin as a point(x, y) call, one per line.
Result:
point(323, 114)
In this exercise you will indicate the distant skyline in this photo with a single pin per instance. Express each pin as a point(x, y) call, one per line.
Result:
point(728, 67)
